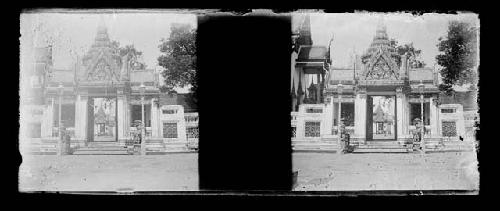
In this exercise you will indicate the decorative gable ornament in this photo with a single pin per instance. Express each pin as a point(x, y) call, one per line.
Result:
point(102, 63)
point(380, 64)
point(381, 67)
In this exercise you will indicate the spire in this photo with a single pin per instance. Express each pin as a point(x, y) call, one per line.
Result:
point(305, 32)
point(102, 37)
point(381, 42)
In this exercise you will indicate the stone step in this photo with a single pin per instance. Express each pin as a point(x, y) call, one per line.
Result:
point(98, 152)
point(381, 143)
point(101, 149)
point(381, 147)
point(399, 150)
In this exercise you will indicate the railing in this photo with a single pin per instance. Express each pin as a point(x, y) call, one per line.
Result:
point(191, 118)
point(133, 130)
point(348, 129)
point(70, 131)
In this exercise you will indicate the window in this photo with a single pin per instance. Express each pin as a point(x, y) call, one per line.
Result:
point(347, 113)
point(169, 130)
point(312, 129)
point(192, 132)
point(294, 132)
point(449, 128)
point(448, 110)
point(137, 114)
point(415, 113)
point(67, 115)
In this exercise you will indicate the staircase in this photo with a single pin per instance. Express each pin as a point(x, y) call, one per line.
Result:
point(102, 148)
point(380, 147)
point(451, 146)
point(323, 145)
point(44, 147)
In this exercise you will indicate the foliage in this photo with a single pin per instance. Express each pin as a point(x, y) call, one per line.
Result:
point(179, 58)
point(411, 52)
point(407, 49)
point(132, 54)
point(458, 56)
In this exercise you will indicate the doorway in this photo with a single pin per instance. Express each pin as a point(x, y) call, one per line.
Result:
point(381, 117)
point(102, 119)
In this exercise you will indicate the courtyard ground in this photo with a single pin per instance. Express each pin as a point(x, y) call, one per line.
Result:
point(177, 172)
point(348, 172)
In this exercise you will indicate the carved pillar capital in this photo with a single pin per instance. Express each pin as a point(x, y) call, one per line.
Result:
point(399, 92)
point(361, 92)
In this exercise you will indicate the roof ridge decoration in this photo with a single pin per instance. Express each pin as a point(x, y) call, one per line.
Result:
point(102, 63)
point(380, 63)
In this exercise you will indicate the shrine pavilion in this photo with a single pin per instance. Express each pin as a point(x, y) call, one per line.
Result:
point(101, 98)
point(379, 98)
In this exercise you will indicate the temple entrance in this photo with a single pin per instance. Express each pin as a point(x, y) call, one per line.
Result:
point(102, 119)
point(381, 118)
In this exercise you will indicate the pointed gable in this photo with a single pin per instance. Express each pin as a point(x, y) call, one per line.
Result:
point(102, 62)
point(380, 62)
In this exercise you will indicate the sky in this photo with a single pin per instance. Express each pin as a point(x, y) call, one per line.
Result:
point(73, 33)
point(353, 32)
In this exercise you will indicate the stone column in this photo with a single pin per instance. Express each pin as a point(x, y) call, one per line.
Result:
point(122, 118)
point(360, 116)
point(81, 117)
point(47, 121)
point(154, 120)
point(181, 125)
point(399, 114)
point(433, 117)
point(299, 130)
point(328, 116)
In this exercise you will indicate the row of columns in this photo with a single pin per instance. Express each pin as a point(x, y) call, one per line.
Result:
point(360, 115)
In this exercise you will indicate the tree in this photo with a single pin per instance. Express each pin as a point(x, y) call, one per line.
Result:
point(407, 49)
point(411, 52)
point(179, 58)
point(458, 55)
point(132, 55)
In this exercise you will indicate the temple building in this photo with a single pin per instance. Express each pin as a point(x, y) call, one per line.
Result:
point(101, 99)
point(379, 98)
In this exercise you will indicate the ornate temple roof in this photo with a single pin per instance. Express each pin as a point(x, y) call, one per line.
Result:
point(100, 117)
point(312, 53)
point(142, 76)
point(343, 76)
point(102, 63)
point(312, 59)
point(304, 31)
point(379, 62)
point(424, 74)
point(380, 40)
point(62, 76)
point(379, 115)
point(467, 99)
point(178, 99)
